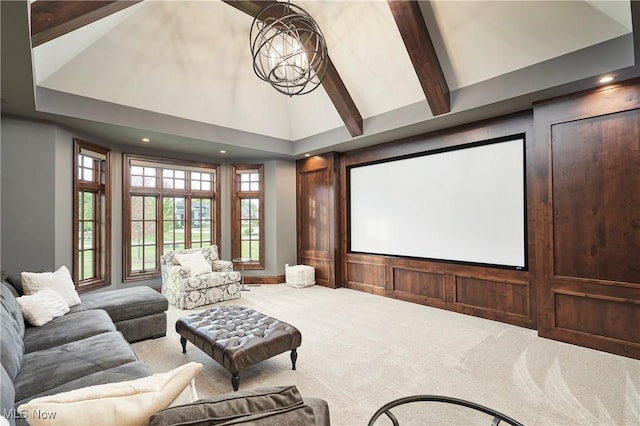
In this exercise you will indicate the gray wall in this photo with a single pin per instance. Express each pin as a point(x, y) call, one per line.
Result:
point(36, 175)
point(28, 196)
point(0, 199)
point(280, 215)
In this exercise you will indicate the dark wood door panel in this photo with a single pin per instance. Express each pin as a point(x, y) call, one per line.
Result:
point(317, 185)
point(587, 195)
point(596, 197)
point(314, 208)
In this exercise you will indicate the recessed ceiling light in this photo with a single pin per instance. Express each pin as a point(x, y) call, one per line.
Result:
point(222, 151)
point(146, 140)
point(307, 155)
point(606, 79)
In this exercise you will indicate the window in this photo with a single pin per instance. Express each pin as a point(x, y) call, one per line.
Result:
point(168, 205)
point(247, 238)
point(91, 216)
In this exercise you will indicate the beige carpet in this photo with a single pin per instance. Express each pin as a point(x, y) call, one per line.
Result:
point(360, 351)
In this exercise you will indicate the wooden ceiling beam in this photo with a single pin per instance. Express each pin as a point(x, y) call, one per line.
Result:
point(332, 82)
point(53, 18)
point(417, 40)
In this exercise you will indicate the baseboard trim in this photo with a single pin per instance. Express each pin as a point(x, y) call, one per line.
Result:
point(277, 279)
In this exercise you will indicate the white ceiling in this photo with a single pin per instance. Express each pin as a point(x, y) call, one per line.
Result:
point(182, 69)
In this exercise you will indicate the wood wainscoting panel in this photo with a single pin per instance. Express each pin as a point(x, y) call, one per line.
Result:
point(596, 197)
point(597, 315)
point(419, 283)
point(365, 273)
point(511, 298)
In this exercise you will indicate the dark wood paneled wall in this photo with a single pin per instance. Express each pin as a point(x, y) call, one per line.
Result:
point(318, 183)
point(498, 294)
point(583, 225)
point(588, 188)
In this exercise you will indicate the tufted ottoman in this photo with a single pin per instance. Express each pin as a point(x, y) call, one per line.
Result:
point(238, 337)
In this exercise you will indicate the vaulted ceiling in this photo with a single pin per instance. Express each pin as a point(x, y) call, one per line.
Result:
point(180, 72)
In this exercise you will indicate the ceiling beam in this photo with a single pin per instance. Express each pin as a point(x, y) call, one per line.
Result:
point(417, 40)
point(53, 18)
point(332, 83)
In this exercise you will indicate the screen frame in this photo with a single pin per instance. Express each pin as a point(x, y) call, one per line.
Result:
point(422, 153)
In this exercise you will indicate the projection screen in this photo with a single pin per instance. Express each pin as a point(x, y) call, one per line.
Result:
point(465, 204)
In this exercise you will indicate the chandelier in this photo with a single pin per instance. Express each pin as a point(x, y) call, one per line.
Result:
point(288, 49)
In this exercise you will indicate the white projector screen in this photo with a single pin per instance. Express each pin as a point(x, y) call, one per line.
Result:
point(466, 204)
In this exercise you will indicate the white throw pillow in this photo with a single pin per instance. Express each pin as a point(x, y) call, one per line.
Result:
point(60, 281)
point(195, 261)
point(123, 403)
point(42, 306)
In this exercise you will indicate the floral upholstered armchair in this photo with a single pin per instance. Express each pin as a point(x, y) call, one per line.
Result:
point(197, 277)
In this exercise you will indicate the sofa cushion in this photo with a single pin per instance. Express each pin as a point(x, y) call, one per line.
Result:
point(42, 306)
point(130, 402)
point(298, 415)
point(238, 407)
point(320, 410)
point(68, 328)
point(7, 396)
point(46, 369)
point(147, 327)
point(8, 297)
point(126, 303)
point(11, 332)
point(59, 281)
point(212, 279)
point(11, 344)
point(129, 371)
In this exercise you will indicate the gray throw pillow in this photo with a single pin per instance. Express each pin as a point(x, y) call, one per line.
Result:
point(266, 406)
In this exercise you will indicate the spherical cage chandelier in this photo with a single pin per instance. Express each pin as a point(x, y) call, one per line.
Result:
point(288, 49)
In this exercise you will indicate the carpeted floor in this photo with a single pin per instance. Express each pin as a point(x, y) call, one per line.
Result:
point(360, 351)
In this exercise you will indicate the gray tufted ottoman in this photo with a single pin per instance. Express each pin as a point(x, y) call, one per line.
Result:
point(238, 337)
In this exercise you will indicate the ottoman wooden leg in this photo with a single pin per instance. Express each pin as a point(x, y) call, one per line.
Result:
point(183, 342)
point(294, 357)
point(235, 381)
